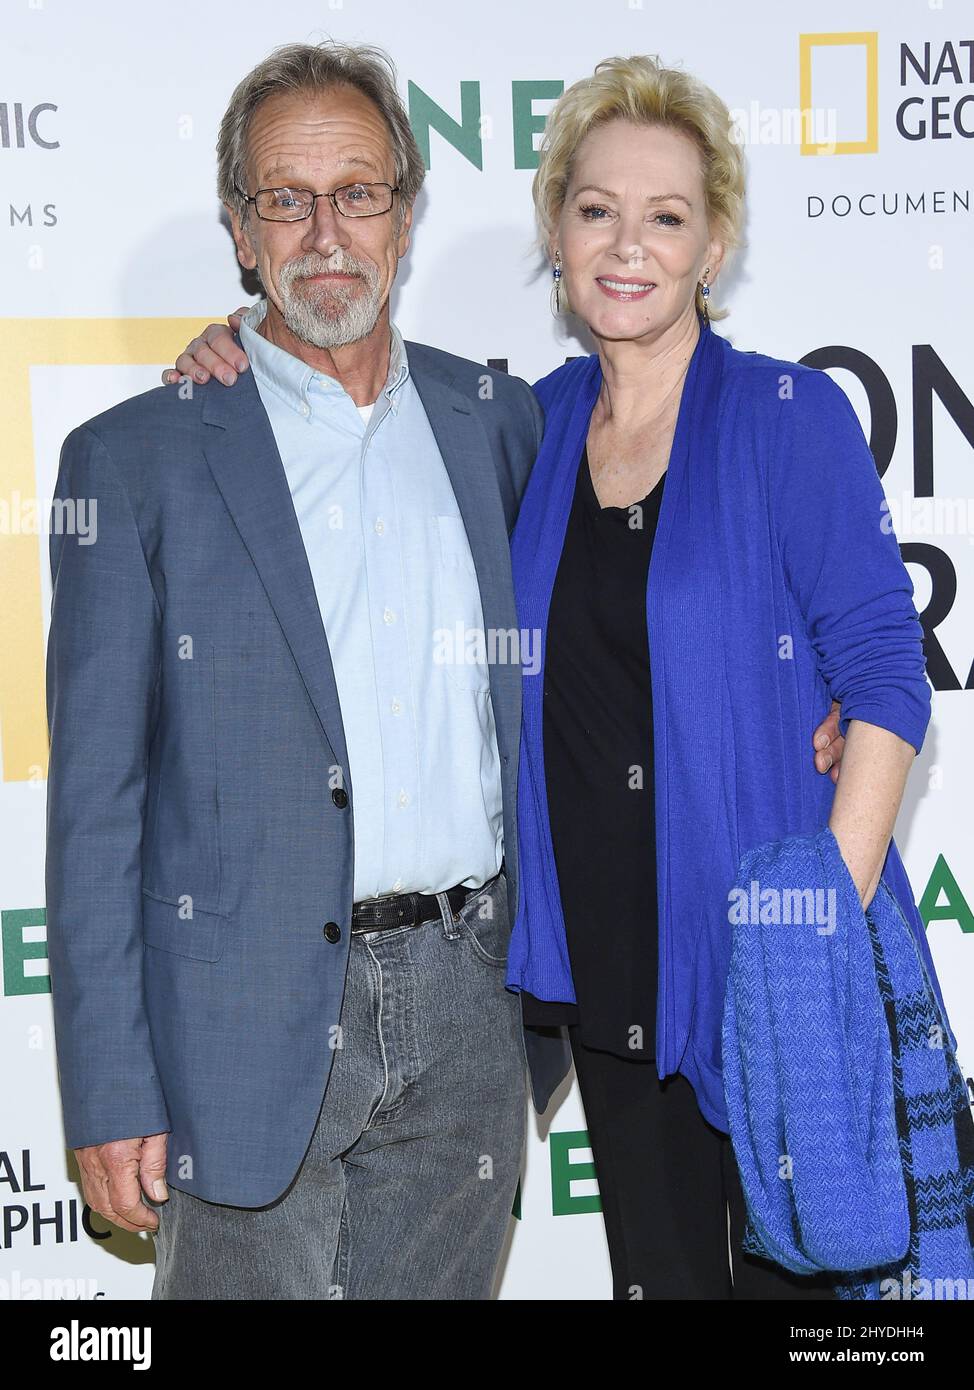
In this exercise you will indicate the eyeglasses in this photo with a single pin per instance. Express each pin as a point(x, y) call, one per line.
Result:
point(295, 204)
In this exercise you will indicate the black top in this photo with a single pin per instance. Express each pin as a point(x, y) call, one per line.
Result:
point(598, 757)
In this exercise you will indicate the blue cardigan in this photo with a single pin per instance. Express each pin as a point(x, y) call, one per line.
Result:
point(774, 586)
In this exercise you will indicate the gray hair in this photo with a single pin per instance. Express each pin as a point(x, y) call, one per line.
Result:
point(305, 67)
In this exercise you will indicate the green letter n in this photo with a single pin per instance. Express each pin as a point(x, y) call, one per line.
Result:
point(424, 115)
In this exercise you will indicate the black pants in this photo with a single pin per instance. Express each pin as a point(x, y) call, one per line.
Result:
point(666, 1179)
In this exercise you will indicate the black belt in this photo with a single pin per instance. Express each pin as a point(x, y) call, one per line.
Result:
point(402, 909)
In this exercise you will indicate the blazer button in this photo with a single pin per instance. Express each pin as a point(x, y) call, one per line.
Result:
point(340, 797)
point(333, 932)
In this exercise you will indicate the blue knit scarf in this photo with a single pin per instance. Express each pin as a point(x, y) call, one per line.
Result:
point(848, 1113)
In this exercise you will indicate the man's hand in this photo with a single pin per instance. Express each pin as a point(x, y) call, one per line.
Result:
point(213, 353)
point(829, 743)
point(114, 1175)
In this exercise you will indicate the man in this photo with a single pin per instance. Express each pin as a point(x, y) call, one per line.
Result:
point(250, 734)
point(277, 908)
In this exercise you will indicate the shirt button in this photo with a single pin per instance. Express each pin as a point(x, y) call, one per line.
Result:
point(305, 409)
point(395, 707)
point(380, 526)
point(340, 797)
point(388, 616)
point(403, 799)
point(332, 932)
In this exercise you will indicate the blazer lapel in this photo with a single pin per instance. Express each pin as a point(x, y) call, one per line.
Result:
point(243, 457)
point(472, 470)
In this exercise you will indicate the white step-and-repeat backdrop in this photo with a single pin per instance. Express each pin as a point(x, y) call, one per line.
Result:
point(858, 260)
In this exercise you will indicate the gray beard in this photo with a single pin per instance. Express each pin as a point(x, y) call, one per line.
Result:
point(329, 317)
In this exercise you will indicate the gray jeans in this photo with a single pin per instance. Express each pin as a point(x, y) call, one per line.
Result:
point(406, 1189)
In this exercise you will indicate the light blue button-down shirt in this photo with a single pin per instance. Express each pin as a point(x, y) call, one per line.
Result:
point(391, 565)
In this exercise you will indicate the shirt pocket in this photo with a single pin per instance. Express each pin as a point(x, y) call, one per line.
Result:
point(459, 640)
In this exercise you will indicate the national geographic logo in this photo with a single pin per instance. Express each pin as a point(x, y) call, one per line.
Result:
point(845, 67)
point(934, 85)
point(934, 81)
point(931, 114)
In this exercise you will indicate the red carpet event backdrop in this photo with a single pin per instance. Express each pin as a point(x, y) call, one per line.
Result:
point(858, 123)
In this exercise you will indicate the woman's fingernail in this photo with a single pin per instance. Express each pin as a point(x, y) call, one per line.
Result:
point(241, 366)
point(200, 374)
point(228, 378)
point(822, 741)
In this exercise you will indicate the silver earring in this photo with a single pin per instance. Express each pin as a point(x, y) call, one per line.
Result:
point(556, 277)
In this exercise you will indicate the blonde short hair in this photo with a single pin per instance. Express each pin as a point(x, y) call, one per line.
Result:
point(641, 90)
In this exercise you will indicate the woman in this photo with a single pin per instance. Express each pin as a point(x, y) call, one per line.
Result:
point(675, 548)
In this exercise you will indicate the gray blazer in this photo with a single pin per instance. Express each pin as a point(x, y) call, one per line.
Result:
point(197, 843)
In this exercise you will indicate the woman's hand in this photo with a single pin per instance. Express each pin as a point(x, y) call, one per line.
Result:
point(829, 743)
point(213, 353)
